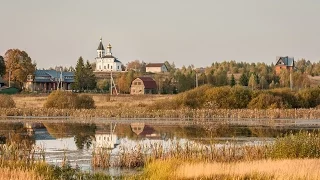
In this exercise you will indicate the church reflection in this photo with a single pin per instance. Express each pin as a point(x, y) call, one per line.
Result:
point(105, 137)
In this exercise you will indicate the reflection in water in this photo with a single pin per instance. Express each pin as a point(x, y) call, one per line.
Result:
point(105, 138)
point(78, 140)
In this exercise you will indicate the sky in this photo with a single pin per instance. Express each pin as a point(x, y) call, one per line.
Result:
point(181, 31)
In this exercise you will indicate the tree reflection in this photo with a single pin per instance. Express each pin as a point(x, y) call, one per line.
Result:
point(83, 133)
point(16, 133)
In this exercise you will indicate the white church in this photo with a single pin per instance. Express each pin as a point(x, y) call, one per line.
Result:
point(105, 61)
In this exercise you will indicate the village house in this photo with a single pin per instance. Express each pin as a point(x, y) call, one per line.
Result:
point(105, 61)
point(156, 68)
point(49, 80)
point(143, 85)
point(284, 63)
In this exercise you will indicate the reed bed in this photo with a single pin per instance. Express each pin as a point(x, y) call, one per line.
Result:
point(181, 114)
point(141, 154)
point(301, 145)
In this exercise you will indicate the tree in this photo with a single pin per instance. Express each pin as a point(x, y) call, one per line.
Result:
point(136, 65)
point(263, 83)
point(19, 65)
point(89, 79)
point(2, 66)
point(79, 75)
point(252, 81)
point(244, 79)
point(232, 81)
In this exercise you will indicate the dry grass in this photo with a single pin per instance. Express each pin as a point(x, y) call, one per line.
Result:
point(29, 101)
point(101, 100)
point(18, 174)
point(279, 169)
point(315, 81)
point(106, 101)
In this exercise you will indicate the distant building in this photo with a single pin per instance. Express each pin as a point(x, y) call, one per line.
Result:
point(143, 85)
point(284, 63)
point(49, 80)
point(105, 61)
point(156, 68)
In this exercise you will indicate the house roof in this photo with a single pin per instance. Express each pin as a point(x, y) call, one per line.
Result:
point(148, 82)
point(52, 75)
point(287, 61)
point(110, 56)
point(100, 47)
point(155, 65)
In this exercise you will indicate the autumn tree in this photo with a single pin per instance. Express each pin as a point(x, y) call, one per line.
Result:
point(19, 65)
point(137, 65)
point(252, 81)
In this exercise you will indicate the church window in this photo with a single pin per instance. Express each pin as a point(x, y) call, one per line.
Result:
point(104, 67)
point(118, 67)
point(111, 67)
point(108, 66)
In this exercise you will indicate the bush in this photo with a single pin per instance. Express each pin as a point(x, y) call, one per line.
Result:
point(85, 102)
point(69, 100)
point(267, 100)
point(309, 98)
point(6, 101)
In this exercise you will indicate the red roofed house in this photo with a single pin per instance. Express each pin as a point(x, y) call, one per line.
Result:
point(284, 63)
point(156, 68)
point(143, 85)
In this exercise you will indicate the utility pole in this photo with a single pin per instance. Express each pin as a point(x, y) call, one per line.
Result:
point(196, 79)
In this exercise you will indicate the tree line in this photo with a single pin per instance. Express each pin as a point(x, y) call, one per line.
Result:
point(17, 64)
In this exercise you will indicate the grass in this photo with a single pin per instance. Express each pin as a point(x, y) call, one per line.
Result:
point(19, 174)
point(261, 169)
point(101, 100)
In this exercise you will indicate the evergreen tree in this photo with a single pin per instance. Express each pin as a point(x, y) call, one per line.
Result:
point(232, 81)
point(89, 78)
point(244, 79)
point(79, 75)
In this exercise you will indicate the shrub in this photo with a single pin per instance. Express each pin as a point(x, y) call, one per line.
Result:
point(69, 100)
point(6, 101)
point(85, 102)
point(267, 100)
point(309, 98)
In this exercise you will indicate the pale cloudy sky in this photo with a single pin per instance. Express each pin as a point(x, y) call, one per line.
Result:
point(57, 32)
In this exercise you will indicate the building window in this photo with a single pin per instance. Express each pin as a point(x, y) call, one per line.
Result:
point(104, 67)
point(118, 67)
point(99, 67)
point(111, 67)
point(108, 66)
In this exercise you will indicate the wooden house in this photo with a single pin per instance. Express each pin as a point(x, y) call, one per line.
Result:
point(284, 63)
point(143, 85)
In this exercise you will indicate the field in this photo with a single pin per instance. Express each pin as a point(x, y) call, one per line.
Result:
point(101, 100)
